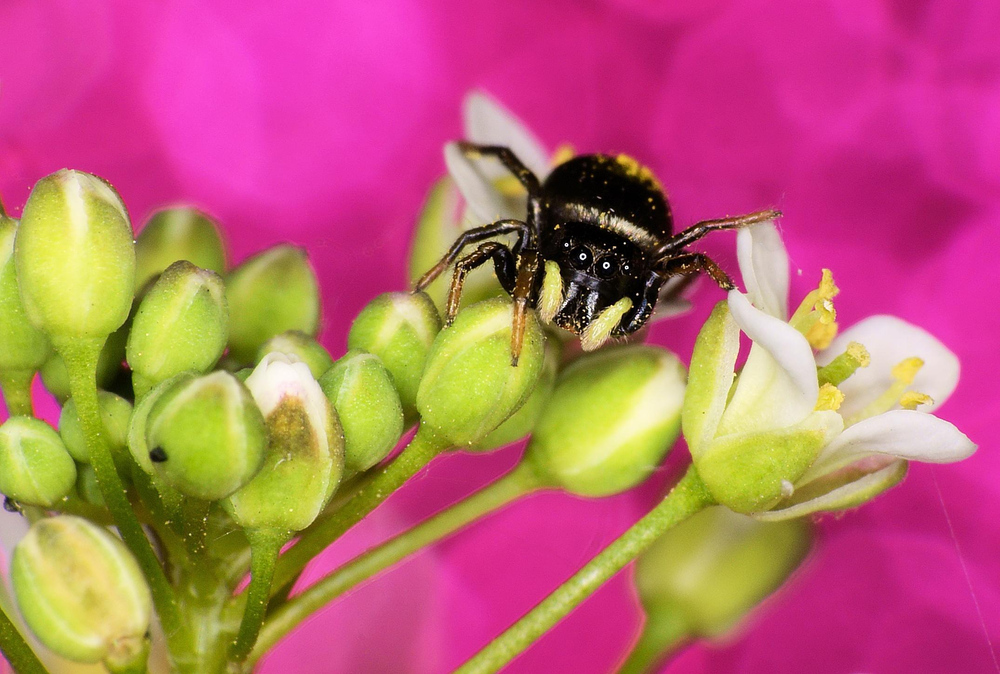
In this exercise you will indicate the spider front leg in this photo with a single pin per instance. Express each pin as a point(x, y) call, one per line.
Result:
point(690, 263)
point(503, 264)
point(700, 229)
point(468, 238)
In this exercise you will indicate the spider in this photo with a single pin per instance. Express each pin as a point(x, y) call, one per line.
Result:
point(594, 251)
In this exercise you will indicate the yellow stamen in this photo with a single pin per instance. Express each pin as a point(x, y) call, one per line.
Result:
point(563, 154)
point(904, 373)
point(910, 400)
point(859, 353)
point(509, 186)
point(816, 316)
point(830, 398)
point(551, 297)
point(600, 328)
point(821, 334)
point(906, 370)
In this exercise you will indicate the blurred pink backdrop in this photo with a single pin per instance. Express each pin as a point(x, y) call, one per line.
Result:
point(874, 126)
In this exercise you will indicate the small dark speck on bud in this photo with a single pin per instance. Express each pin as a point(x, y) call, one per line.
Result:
point(10, 505)
point(157, 455)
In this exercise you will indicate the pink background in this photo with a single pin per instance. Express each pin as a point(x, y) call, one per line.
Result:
point(875, 127)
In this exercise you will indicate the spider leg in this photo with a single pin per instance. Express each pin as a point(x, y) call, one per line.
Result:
point(517, 168)
point(689, 263)
point(700, 229)
point(468, 238)
point(524, 288)
point(503, 264)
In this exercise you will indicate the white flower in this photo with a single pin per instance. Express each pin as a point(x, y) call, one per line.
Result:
point(870, 436)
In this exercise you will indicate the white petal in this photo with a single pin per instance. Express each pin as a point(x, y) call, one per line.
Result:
point(778, 386)
point(488, 122)
point(671, 304)
point(279, 376)
point(889, 340)
point(904, 434)
point(477, 188)
point(764, 266)
point(847, 496)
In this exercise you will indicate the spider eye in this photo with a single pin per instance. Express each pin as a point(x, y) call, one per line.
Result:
point(580, 257)
point(607, 267)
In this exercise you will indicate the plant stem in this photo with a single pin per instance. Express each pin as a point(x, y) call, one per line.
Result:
point(16, 387)
point(664, 632)
point(265, 544)
point(80, 356)
point(493, 496)
point(424, 447)
point(687, 498)
point(16, 649)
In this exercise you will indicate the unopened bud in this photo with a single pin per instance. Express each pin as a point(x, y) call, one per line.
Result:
point(173, 234)
point(81, 592)
point(22, 346)
point(206, 436)
point(181, 324)
point(362, 393)
point(109, 366)
point(303, 347)
point(610, 421)
point(115, 413)
point(469, 386)
point(75, 257)
point(305, 452)
point(35, 468)
point(399, 328)
point(268, 294)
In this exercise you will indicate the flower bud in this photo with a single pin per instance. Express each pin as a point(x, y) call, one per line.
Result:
point(35, 468)
point(709, 571)
point(115, 412)
point(610, 421)
point(523, 421)
point(81, 592)
point(361, 391)
point(268, 294)
point(398, 328)
point(75, 257)
point(87, 486)
point(469, 386)
point(305, 452)
point(109, 366)
point(173, 234)
point(22, 346)
point(303, 347)
point(181, 324)
point(139, 421)
point(206, 436)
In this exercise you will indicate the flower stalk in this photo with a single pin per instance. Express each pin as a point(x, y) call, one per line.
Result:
point(16, 650)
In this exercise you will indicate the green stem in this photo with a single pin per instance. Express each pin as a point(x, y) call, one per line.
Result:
point(131, 663)
point(687, 498)
point(493, 496)
point(664, 632)
point(265, 545)
point(16, 387)
point(424, 447)
point(16, 649)
point(80, 356)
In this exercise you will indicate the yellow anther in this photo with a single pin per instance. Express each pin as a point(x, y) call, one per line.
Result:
point(563, 154)
point(551, 297)
point(600, 328)
point(906, 370)
point(827, 288)
point(830, 398)
point(509, 186)
point(910, 400)
point(859, 353)
point(820, 334)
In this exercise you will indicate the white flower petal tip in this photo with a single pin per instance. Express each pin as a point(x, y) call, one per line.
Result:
point(763, 263)
point(485, 202)
point(904, 434)
point(889, 340)
point(278, 376)
point(488, 122)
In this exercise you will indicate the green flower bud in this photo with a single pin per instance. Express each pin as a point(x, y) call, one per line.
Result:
point(609, 423)
point(181, 324)
point(707, 573)
point(206, 436)
point(86, 485)
point(81, 592)
point(361, 391)
point(35, 468)
point(399, 328)
point(109, 366)
point(268, 294)
point(305, 453)
point(302, 346)
point(22, 346)
point(523, 421)
point(115, 411)
point(75, 258)
point(469, 386)
point(139, 421)
point(173, 234)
